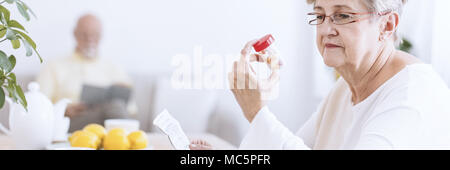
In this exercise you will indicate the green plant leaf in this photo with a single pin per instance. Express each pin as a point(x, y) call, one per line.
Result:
point(27, 8)
point(10, 34)
point(11, 91)
point(2, 97)
point(21, 97)
point(27, 38)
point(28, 48)
point(23, 11)
point(10, 1)
point(6, 14)
point(29, 43)
point(15, 24)
point(5, 65)
point(15, 44)
point(2, 31)
point(12, 61)
point(15, 91)
point(12, 78)
point(39, 55)
point(3, 78)
point(405, 46)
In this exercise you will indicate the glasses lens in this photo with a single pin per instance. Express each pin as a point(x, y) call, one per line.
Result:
point(343, 18)
point(315, 19)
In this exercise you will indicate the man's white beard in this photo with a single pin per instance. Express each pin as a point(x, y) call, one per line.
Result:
point(90, 52)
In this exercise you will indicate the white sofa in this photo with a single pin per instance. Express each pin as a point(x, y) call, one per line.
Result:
point(199, 111)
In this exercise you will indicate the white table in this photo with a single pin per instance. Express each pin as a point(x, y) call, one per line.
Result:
point(156, 140)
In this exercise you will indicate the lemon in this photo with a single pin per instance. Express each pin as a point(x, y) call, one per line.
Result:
point(97, 129)
point(138, 140)
point(84, 139)
point(75, 134)
point(116, 139)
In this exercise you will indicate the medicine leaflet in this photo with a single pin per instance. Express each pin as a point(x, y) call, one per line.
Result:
point(171, 127)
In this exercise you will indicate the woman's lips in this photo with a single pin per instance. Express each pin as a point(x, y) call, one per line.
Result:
point(329, 45)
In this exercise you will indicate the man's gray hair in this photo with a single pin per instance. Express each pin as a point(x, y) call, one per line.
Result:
point(382, 6)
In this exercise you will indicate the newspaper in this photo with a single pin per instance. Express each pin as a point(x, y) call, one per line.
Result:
point(92, 95)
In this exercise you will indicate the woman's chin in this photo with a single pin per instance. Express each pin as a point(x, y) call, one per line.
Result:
point(334, 65)
point(332, 61)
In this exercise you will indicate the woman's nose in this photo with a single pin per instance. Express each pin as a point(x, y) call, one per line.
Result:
point(328, 28)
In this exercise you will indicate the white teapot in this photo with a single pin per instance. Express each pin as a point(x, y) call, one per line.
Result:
point(43, 123)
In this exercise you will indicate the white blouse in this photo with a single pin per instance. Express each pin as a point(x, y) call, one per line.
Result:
point(409, 111)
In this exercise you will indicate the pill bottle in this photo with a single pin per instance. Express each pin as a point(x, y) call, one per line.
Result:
point(266, 49)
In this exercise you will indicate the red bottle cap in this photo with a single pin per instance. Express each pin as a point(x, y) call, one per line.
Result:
point(263, 43)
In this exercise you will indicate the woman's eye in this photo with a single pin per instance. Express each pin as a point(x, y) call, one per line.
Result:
point(319, 17)
point(342, 16)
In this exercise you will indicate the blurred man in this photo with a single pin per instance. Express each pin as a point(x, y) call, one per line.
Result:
point(66, 77)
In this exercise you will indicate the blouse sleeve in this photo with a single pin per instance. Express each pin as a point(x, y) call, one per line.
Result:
point(266, 132)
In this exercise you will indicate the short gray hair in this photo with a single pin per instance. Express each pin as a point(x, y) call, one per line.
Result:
point(382, 6)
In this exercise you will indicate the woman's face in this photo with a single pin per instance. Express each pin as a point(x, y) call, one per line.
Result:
point(350, 44)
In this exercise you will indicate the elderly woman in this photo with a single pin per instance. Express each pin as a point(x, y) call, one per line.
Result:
point(385, 99)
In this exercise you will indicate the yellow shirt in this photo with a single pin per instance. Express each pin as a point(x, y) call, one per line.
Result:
point(64, 78)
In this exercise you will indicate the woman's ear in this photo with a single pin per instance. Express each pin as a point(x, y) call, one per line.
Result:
point(389, 25)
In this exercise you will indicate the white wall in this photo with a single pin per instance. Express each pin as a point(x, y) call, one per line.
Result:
point(416, 25)
point(441, 35)
point(425, 24)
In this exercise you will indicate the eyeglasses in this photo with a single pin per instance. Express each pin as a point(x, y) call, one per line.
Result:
point(341, 18)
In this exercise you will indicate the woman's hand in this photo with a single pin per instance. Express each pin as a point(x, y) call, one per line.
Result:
point(200, 145)
point(251, 93)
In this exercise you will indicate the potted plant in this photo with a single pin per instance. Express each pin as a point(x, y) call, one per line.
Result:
point(11, 31)
point(405, 46)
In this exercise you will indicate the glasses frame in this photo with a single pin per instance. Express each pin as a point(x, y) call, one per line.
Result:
point(352, 13)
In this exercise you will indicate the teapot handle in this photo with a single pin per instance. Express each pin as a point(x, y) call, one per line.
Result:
point(3, 128)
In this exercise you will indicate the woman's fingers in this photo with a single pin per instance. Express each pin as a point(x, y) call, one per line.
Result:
point(243, 76)
point(247, 49)
point(274, 78)
point(257, 58)
point(234, 75)
point(200, 145)
point(272, 81)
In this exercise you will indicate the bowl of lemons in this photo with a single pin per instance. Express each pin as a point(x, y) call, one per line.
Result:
point(96, 137)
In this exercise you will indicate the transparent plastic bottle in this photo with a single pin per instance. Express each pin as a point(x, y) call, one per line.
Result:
point(266, 49)
point(267, 52)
